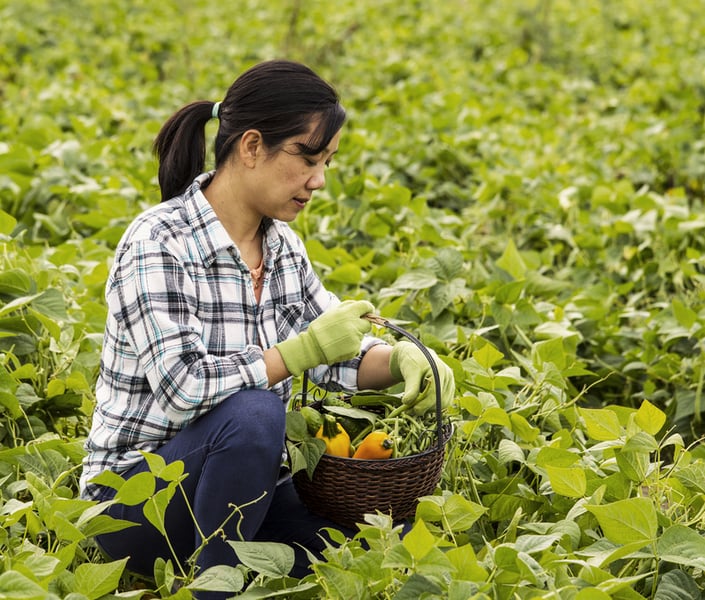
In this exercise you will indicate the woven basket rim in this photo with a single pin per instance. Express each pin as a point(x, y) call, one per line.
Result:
point(448, 429)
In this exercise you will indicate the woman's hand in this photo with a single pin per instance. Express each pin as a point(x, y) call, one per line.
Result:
point(333, 337)
point(408, 363)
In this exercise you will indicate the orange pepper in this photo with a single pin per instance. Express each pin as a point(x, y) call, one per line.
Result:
point(376, 445)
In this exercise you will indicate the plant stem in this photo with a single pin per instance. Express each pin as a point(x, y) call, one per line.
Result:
point(697, 402)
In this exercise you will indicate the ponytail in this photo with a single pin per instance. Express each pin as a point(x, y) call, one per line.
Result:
point(180, 147)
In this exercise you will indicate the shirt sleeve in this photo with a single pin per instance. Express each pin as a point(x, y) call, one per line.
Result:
point(155, 300)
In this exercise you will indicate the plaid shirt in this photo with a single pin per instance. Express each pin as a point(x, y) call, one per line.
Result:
point(184, 330)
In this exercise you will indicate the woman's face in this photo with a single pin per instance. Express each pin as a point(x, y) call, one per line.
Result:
point(284, 181)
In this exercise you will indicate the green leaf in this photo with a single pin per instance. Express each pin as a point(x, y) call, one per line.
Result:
point(556, 457)
point(17, 304)
point(164, 573)
point(96, 580)
point(269, 558)
point(512, 262)
point(601, 424)
point(641, 442)
point(496, 416)
point(676, 585)
point(13, 510)
point(466, 565)
point(567, 481)
point(296, 428)
point(305, 455)
point(155, 462)
point(650, 418)
point(604, 553)
point(416, 586)
point(104, 524)
point(55, 387)
point(7, 223)
point(684, 315)
point(136, 489)
point(303, 590)
point(415, 280)
point(523, 429)
point(64, 529)
point(682, 545)
point(568, 531)
point(487, 356)
point(419, 541)
point(627, 521)
point(531, 569)
point(455, 511)
point(14, 585)
point(440, 296)
point(158, 467)
point(549, 351)
point(352, 412)
point(509, 293)
point(509, 451)
point(448, 263)
point(41, 565)
point(398, 557)
point(48, 464)
point(109, 479)
point(155, 507)
point(633, 465)
point(50, 303)
point(461, 513)
point(534, 544)
point(15, 282)
point(8, 399)
point(174, 471)
point(220, 578)
point(592, 593)
point(343, 583)
point(297, 461)
point(349, 273)
point(692, 476)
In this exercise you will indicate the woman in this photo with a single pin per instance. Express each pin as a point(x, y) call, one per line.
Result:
point(213, 306)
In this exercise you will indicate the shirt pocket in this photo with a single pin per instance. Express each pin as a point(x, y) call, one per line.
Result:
point(289, 319)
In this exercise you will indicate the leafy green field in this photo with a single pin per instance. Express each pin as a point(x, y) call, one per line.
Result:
point(521, 184)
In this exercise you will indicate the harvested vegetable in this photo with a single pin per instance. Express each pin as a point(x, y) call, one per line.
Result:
point(336, 438)
point(377, 445)
point(313, 419)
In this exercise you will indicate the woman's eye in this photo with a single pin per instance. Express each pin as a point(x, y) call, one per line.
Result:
point(311, 162)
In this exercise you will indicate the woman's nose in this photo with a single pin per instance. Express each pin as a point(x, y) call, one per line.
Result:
point(317, 181)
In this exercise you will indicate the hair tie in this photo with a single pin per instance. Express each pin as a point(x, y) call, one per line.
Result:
point(216, 110)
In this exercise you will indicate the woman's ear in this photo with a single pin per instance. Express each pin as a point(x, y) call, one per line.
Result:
point(250, 147)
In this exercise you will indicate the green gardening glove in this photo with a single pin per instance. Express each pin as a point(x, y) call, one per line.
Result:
point(409, 364)
point(333, 337)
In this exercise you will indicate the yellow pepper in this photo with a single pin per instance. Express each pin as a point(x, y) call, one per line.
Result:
point(336, 438)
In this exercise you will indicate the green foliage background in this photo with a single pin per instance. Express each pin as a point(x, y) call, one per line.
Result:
point(519, 183)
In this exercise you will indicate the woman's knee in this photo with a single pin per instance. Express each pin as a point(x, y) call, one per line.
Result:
point(259, 413)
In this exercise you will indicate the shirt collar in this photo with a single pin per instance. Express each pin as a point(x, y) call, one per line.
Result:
point(209, 235)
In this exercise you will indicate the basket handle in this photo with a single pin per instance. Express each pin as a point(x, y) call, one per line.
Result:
point(382, 322)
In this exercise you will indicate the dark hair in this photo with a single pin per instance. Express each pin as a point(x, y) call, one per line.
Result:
point(279, 98)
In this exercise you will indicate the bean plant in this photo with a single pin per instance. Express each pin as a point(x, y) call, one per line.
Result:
point(519, 185)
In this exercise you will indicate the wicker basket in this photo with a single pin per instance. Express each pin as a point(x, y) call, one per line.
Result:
point(345, 489)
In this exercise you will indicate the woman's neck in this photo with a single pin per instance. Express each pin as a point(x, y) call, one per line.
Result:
point(243, 227)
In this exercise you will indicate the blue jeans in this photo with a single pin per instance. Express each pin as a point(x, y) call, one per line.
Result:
point(232, 455)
